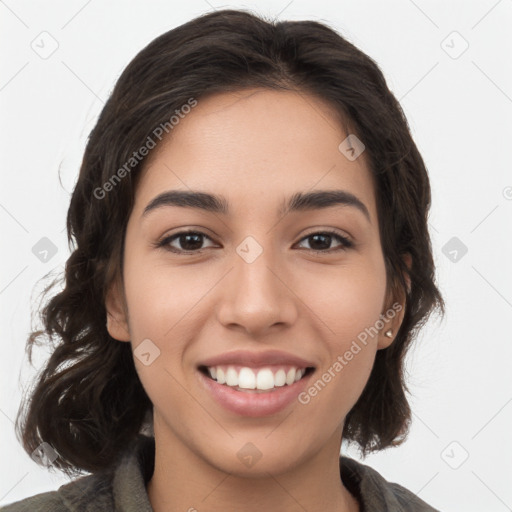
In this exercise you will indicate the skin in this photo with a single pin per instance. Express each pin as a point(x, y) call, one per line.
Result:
point(255, 147)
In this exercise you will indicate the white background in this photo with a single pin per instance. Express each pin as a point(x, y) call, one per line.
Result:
point(460, 113)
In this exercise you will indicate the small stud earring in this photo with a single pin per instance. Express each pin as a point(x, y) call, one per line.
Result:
point(389, 333)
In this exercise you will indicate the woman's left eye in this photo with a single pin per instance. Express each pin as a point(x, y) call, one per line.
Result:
point(324, 238)
point(191, 241)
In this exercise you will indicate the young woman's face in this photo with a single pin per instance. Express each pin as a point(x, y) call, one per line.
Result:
point(254, 278)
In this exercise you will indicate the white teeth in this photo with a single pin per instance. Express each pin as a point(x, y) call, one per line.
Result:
point(246, 379)
point(231, 377)
point(221, 379)
point(262, 379)
point(265, 379)
point(280, 378)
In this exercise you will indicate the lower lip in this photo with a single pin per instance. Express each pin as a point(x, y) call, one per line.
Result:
point(254, 404)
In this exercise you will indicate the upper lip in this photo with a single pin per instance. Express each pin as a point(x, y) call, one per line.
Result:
point(256, 359)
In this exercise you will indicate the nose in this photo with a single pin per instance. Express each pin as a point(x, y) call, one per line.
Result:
point(256, 297)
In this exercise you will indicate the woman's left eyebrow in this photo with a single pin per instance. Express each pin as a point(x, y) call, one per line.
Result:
point(300, 201)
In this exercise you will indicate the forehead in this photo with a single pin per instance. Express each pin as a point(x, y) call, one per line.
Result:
point(256, 143)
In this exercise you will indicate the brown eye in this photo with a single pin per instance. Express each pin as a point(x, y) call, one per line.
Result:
point(321, 241)
point(187, 241)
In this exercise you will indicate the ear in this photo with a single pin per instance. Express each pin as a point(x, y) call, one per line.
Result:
point(117, 312)
point(394, 309)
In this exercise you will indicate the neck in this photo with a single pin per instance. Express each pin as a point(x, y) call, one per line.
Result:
point(184, 480)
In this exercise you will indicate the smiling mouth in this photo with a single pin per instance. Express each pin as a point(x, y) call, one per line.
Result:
point(277, 384)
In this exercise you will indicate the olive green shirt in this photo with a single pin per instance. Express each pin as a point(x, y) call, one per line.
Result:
point(123, 488)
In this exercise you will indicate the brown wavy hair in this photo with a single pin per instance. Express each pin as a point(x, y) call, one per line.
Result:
point(88, 402)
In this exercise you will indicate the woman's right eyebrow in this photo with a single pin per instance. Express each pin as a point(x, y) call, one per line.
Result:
point(300, 201)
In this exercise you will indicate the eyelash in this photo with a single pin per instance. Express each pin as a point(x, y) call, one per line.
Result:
point(164, 243)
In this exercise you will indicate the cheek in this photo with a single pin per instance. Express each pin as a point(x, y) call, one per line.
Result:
point(161, 309)
point(160, 299)
point(348, 332)
point(349, 304)
point(347, 299)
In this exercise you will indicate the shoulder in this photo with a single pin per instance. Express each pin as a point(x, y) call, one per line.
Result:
point(119, 487)
point(376, 493)
point(44, 502)
point(91, 492)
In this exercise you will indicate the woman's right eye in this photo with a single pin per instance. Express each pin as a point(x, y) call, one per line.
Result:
point(187, 241)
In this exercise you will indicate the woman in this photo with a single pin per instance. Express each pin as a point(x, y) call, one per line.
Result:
point(251, 263)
